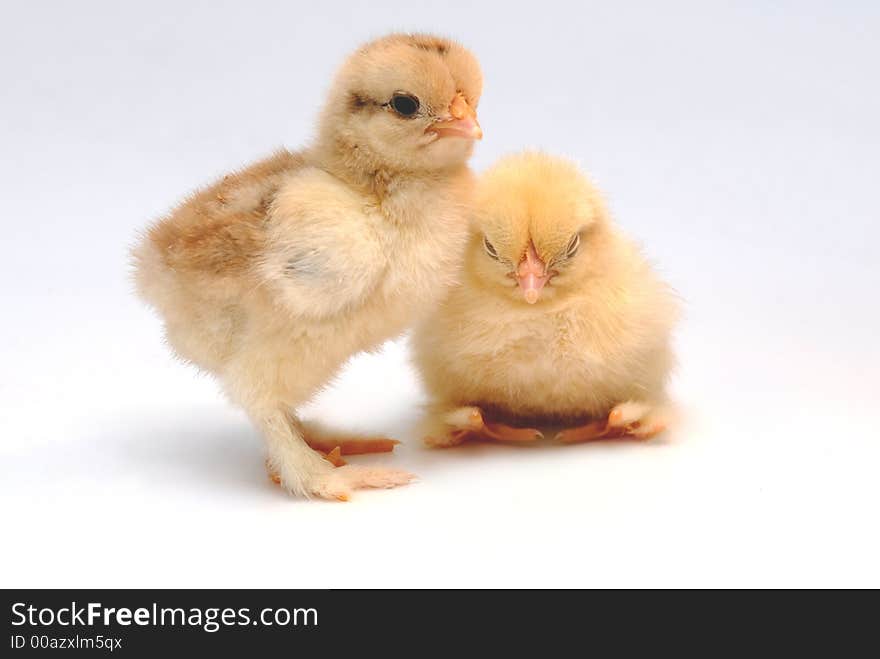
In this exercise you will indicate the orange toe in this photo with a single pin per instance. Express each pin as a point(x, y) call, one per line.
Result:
point(615, 418)
point(353, 446)
point(649, 432)
point(505, 433)
point(585, 433)
point(334, 457)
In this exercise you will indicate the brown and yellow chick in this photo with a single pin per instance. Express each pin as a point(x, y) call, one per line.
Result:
point(558, 321)
point(274, 276)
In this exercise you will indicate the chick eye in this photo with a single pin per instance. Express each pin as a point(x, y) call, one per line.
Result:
point(573, 245)
point(406, 105)
point(490, 248)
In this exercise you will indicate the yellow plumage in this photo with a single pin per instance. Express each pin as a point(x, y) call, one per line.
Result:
point(594, 347)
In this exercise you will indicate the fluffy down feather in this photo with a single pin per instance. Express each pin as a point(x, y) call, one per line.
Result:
point(594, 346)
point(273, 277)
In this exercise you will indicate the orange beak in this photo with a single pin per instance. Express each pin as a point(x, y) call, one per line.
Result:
point(531, 274)
point(461, 121)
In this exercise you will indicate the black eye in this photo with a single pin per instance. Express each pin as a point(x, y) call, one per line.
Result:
point(406, 105)
point(573, 244)
point(490, 248)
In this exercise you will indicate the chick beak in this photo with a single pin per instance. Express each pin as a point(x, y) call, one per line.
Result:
point(531, 275)
point(461, 121)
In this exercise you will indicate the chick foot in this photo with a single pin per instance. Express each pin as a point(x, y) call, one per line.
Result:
point(629, 419)
point(338, 484)
point(333, 447)
point(639, 420)
point(469, 423)
point(333, 456)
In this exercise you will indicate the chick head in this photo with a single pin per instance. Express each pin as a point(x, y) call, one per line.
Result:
point(406, 101)
point(540, 225)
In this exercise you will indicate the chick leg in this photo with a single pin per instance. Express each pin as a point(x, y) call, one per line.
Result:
point(334, 457)
point(303, 471)
point(461, 423)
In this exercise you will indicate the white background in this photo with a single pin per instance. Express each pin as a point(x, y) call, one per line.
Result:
point(739, 144)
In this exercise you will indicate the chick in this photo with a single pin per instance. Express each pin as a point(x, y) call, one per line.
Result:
point(558, 320)
point(272, 277)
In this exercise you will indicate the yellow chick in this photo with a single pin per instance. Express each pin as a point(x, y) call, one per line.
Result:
point(272, 277)
point(559, 320)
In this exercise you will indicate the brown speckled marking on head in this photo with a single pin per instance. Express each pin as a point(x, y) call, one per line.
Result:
point(430, 44)
point(357, 102)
